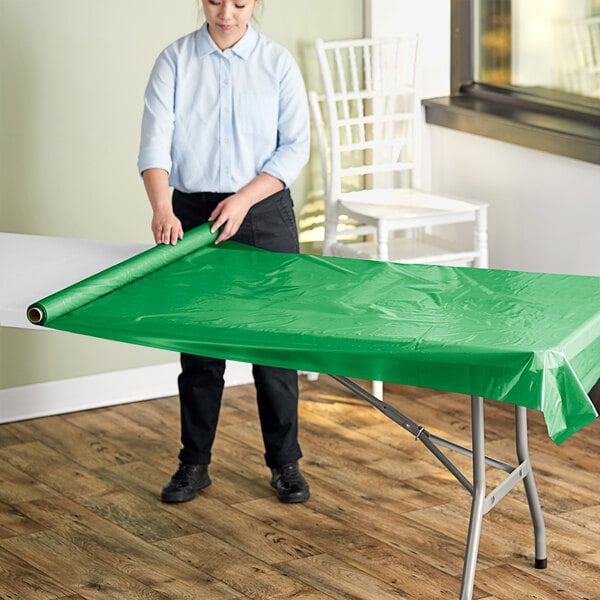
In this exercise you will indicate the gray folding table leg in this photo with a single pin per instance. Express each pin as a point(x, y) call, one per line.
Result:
point(479, 494)
point(539, 529)
point(481, 503)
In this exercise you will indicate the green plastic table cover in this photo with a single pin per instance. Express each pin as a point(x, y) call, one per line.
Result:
point(530, 339)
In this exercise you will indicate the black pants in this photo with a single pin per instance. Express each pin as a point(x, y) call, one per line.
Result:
point(269, 225)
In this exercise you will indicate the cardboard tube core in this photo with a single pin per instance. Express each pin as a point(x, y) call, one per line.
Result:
point(35, 315)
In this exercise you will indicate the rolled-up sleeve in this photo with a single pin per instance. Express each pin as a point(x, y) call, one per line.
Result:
point(293, 128)
point(159, 116)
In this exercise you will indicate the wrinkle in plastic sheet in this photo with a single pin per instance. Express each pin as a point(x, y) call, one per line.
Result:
point(526, 338)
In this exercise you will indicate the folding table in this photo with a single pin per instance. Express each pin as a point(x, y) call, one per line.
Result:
point(528, 339)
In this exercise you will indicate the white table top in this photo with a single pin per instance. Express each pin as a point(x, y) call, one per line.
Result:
point(34, 266)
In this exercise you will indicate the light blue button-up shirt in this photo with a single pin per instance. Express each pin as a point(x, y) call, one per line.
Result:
point(216, 119)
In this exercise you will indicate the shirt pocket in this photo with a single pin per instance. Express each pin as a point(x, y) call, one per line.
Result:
point(257, 113)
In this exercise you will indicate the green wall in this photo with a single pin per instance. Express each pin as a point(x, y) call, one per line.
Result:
point(72, 76)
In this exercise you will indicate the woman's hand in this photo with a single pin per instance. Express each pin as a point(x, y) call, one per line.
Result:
point(166, 227)
point(229, 215)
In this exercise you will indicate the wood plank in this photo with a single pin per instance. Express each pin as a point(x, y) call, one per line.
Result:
point(16, 485)
point(4, 533)
point(508, 582)
point(455, 523)
point(391, 527)
point(19, 579)
point(42, 464)
point(236, 568)
point(82, 447)
point(14, 522)
point(567, 572)
point(162, 422)
point(397, 496)
point(512, 516)
point(441, 485)
point(438, 551)
point(232, 487)
point(356, 447)
point(242, 449)
point(586, 444)
point(144, 479)
point(115, 428)
point(391, 563)
point(334, 406)
point(146, 520)
point(561, 469)
point(340, 580)
point(10, 435)
point(587, 517)
point(128, 554)
point(51, 554)
point(236, 528)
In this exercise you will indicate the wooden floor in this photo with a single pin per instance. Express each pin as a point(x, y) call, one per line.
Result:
point(80, 515)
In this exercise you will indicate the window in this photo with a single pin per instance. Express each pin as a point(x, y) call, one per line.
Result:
point(538, 43)
point(526, 72)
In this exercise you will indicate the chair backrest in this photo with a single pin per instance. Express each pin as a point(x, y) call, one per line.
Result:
point(586, 34)
point(369, 102)
point(315, 102)
point(580, 56)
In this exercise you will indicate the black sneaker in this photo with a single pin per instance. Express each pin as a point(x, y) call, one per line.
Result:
point(290, 484)
point(187, 481)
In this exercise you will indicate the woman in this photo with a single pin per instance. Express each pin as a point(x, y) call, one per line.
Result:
point(226, 125)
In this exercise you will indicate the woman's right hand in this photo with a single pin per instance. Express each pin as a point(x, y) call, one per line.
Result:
point(166, 227)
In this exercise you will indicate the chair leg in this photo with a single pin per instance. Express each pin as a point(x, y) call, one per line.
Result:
point(331, 217)
point(383, 252)
point(481, 238)
point(377, 387)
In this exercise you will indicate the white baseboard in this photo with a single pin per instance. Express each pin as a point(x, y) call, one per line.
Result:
point(105, 389)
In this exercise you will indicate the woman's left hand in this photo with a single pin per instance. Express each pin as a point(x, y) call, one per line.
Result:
point(231, 211)
point(228, 215)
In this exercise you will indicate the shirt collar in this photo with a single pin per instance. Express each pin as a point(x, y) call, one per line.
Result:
point(243, 48)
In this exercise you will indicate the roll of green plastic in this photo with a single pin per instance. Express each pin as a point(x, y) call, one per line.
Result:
point(115, 277)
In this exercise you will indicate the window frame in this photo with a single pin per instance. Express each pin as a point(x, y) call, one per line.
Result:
point(549, 120)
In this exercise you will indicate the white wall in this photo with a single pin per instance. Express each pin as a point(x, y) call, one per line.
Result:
point(430, 20)
point(544, 208)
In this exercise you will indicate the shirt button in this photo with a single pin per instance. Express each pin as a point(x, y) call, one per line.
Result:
point(226, 169)
point(225, 81)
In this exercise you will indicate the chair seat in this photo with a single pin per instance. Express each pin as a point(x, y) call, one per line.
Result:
point(427, 250)
point(406, 208)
